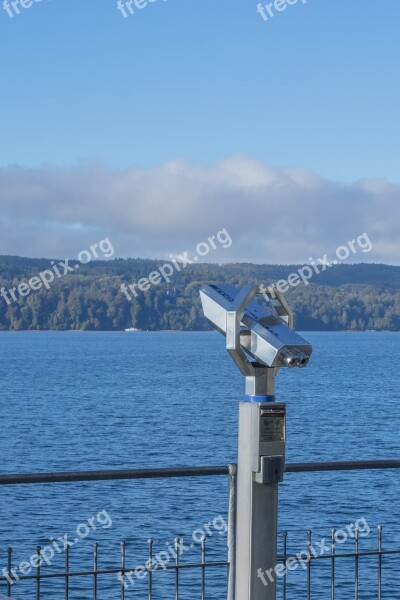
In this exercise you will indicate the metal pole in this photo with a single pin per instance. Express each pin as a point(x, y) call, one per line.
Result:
point(260, 467)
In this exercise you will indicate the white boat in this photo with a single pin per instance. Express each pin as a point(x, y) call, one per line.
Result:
point(130, 329)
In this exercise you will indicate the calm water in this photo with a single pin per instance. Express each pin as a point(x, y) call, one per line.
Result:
point(113, 400)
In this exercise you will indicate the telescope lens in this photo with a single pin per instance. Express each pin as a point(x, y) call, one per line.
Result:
point(304, 361)
point(290, 361)
point(294, 359)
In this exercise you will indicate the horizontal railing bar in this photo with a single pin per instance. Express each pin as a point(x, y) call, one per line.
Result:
point(343, 555)
point(343, 465)
point(361, 553)
point(124, 571)
point(196, 565)
point(160, 473)
point(72, 476)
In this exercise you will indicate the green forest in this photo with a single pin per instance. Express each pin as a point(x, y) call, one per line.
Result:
point(343, 297)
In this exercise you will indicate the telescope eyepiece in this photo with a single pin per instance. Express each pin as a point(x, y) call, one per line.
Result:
point(304, 361)
point(294, 359)
point(290, 359)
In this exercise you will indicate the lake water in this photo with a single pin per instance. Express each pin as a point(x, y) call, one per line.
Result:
point(77, 401)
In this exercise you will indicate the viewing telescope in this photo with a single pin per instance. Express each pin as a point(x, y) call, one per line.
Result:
point(261, 340)
point(265, 334)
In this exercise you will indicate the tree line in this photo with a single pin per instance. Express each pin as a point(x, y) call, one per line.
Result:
point(344, 297)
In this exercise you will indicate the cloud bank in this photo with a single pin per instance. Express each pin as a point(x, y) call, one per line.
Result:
point(273, 215)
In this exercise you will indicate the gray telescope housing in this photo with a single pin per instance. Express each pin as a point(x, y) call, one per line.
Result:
point(265, 334)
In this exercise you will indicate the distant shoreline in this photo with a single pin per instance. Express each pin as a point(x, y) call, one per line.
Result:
point(345, 297)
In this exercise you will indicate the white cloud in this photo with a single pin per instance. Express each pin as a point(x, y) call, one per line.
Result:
point(273, 215)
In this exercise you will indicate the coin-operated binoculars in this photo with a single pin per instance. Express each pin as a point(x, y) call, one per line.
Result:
point(261, 341)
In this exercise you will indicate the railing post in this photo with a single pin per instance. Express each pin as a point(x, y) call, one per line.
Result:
point(232, 531)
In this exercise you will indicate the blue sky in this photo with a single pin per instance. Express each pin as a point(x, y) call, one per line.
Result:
point(315, 88)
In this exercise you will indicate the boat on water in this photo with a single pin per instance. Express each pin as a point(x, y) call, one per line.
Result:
point(131, 329)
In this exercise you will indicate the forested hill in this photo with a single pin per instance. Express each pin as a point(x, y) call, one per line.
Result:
point(356, 297)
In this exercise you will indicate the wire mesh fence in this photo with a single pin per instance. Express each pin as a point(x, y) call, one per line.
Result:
point(334, 574)
point(326, 571)
point(124, 580)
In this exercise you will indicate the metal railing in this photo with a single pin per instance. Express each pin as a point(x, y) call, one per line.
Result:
point(125, 570)
point(349, 585)
point(203, 565)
